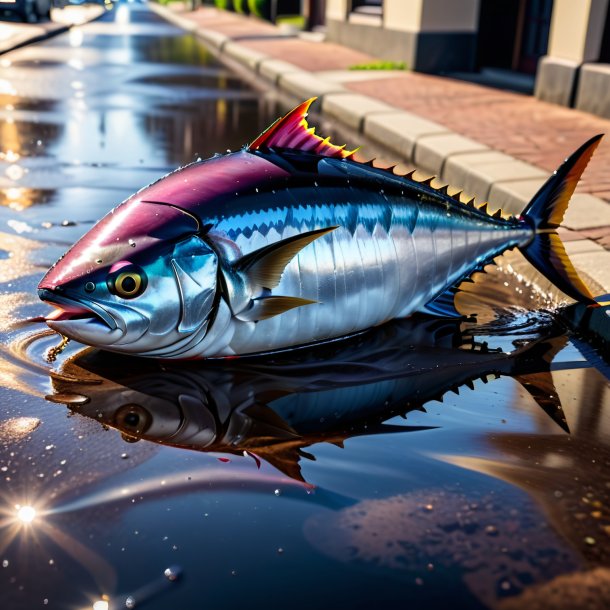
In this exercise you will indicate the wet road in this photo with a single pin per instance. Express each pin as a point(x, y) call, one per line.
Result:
point(293, 481)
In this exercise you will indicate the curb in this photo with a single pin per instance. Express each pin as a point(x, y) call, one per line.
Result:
point(45, 34)
point(39, 36)
point(481, 171)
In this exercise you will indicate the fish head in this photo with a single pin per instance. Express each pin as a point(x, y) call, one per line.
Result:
point(141, 281)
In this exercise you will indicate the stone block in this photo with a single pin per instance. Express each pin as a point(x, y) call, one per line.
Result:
point(555, 80)
point(304, 85)
point(399, 131)
point(213, 39)
point(274, 69)
point(243, 55)
point(586, 212)
point(594, 89)
point(512, 197)
point(594, 264)
point(352, 108)
point(475, 173)
point(431, 152)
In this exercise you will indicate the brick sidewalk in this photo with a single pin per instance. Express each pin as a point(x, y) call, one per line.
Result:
point(526, 128)
point(536, 132)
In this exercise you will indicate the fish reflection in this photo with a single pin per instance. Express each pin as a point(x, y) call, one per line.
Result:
point(275, 407)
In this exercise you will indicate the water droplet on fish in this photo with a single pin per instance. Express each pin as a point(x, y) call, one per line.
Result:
point(130, 602)
point(132, 243)
point(278, 492)
point(124, 456)
point(172, 573)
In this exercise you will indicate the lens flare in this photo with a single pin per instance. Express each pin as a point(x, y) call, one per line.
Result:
point(26, 514)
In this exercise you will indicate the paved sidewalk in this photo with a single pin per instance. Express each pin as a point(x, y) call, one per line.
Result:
point(495, 145)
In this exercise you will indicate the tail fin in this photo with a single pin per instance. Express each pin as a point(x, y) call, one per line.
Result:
point(545, 213)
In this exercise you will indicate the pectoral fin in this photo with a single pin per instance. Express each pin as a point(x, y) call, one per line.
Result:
point(267, 307)
point(264, 267)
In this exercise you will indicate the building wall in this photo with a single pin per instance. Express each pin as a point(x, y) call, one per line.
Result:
point(429, 35)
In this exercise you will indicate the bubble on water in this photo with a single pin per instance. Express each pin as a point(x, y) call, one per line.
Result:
point(124, 456)
point(130, 602)
point(280, 551)
point(172, 573)
point(233, 572)
point(278, 492)
point(5, 563)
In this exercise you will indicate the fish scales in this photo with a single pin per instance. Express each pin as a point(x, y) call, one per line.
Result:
point(378, 268)
point(287, 242)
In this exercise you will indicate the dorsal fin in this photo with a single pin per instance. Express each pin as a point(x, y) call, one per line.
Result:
point(292, 132)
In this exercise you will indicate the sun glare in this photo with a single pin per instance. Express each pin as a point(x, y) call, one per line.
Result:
point(26, 514)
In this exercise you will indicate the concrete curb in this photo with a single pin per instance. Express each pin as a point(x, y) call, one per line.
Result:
point(40, 33)
point(480, 171)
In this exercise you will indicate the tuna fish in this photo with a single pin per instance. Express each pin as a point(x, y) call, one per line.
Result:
point(287, 242)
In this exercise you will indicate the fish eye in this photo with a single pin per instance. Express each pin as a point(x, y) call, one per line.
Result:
point(133, 419)
point(127, 283)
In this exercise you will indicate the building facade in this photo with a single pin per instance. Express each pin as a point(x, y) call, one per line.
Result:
point(564, 43)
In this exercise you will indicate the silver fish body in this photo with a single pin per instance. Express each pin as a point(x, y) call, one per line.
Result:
point(288, 242)
point(390, 255)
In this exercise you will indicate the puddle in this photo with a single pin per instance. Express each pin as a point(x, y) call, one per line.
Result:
point(426, 462)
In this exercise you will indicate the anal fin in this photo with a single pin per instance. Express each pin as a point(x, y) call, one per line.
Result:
point(443, 305)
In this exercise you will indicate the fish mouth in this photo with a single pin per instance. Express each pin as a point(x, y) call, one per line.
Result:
point(72, 308)
point(80, 319)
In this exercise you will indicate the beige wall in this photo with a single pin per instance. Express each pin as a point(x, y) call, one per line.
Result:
point(402, 14)
point(431, 15)
point(337, 9)
point(577, 29)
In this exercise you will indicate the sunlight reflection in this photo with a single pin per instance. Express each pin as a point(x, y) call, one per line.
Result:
point(26, 514)
point(76, 37)
point(101, 604)
point(6, 87)
point(122, 15)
